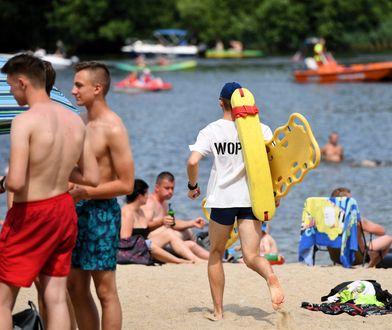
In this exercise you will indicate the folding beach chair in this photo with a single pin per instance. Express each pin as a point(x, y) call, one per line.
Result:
point(330, 224)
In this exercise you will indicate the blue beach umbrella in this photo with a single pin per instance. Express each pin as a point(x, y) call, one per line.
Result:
point(9, 108)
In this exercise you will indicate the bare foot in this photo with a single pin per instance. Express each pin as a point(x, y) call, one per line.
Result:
point(213, 316)
point(276, 292)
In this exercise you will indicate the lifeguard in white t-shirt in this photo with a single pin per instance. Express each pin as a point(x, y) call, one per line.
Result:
point(229, 200)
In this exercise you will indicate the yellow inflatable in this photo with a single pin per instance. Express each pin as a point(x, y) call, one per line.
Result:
point(245, 114)
point(292, 152)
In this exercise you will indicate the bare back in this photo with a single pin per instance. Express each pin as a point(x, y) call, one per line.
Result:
point(46, 143)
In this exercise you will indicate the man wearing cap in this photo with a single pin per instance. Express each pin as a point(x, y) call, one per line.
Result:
point(228, 197)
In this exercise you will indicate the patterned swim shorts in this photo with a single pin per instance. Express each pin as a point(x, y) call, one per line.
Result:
point(99, 228)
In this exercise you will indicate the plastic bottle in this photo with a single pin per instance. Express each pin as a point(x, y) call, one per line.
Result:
point(171, 212)
point(274, 259)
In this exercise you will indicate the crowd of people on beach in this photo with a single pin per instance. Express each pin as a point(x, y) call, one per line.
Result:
point(65, 174)
point(64, 224)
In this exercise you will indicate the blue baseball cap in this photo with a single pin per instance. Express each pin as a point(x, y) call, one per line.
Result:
point(228, 90)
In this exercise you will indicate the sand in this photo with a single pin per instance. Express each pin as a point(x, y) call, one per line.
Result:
point(178, 297)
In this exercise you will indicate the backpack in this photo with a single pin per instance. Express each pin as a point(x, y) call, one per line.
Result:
point(134, 250)
point(28, 319)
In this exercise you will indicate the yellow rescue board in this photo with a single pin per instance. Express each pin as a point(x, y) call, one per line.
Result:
point(292, 152)
point(254, 153)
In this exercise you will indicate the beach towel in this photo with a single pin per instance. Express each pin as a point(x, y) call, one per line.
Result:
point(330, 222)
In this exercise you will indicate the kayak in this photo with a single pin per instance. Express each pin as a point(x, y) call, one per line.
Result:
point(137, 86)
point(333, 72)
point(232, 53)
point(175, 66)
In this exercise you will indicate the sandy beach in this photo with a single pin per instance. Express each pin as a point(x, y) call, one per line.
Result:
point(178, 297)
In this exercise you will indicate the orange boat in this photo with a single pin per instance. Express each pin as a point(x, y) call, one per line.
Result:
point(319, 66)
point(333, 72)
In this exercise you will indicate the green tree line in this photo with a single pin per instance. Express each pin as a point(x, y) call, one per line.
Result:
point(275, 26)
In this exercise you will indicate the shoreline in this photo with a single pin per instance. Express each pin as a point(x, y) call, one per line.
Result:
point(178, 297)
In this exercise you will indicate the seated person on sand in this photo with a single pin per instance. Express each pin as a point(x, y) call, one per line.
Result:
point(156, 209)
point(134, 221)
point(267, 243)
point(377, 247)
point(333, 151)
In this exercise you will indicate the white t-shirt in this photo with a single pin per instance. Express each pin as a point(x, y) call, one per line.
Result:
point(227, 185)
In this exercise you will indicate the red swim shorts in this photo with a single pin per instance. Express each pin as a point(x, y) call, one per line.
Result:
point(37, 237)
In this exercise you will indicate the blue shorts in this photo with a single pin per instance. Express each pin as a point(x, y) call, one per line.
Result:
point(98, 234)
point(227, 216)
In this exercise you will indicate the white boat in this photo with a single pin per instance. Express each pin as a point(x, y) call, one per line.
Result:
point(172, 42)
point(58, 61)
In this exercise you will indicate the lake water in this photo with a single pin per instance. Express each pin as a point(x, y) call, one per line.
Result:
point(161, 126)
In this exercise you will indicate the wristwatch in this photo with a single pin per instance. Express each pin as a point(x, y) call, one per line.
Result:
point(2, 184)
point(190, 187)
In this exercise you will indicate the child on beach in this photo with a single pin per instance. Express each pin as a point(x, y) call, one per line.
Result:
point(229, 200)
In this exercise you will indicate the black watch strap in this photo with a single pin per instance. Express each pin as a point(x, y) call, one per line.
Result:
point(190, 187)
point(2, 184)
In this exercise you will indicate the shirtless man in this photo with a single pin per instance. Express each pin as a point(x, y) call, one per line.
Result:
point(333, 151)
point(134, 221)
point(156, 210)
point(40, 229)
point(99, 214)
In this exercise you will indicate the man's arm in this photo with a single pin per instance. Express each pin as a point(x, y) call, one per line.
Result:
point(87, 171)
point(372, 227)
point(19, 154)
point(121, 156)
point(323, 150)
point(193, 172)
point(341, 153)
point(180, 225)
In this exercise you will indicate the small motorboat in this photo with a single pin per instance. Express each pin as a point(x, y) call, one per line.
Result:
point(147, 83)
point(333, 72)
point(170, 42)
point(57, 60)
point(327, 70)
